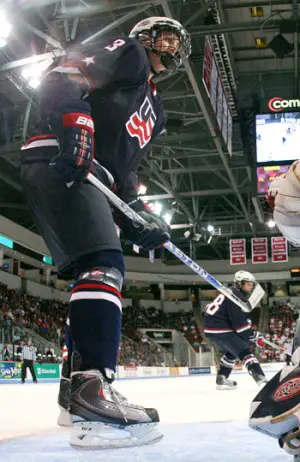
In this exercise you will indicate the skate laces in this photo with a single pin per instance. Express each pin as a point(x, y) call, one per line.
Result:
point(119, 401)
point(124, 401)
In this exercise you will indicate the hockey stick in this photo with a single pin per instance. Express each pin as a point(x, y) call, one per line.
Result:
point(132, 215)
point(273, 345)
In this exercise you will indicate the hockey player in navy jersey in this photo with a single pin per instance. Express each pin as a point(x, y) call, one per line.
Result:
point(228, 327)
point(99, 109)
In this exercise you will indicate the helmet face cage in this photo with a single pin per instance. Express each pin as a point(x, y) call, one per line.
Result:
point(171, 61)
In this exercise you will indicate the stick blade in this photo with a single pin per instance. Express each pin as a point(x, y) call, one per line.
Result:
point(256, 296)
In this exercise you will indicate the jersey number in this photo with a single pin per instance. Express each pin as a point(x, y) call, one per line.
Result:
point(117, 43)
point(213, 307)
point(141, 124)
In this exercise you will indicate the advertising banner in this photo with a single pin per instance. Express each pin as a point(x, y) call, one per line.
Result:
point(199, 370)
point(207, 64)
point(279, 249)
point(229, 133)
point(279, 104)
point(12, 370)
point(174, 371)
point(46, 371)
point(259, 247)
point(213, 86)
point(130, 371)
point(237, 251)
point(220, 104)
point(147, 371)
point(225, 120)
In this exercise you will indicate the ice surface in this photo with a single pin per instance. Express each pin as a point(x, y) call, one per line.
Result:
point(199, 423)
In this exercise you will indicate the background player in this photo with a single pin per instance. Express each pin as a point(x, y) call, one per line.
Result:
point(228, 327)
point(99, 111)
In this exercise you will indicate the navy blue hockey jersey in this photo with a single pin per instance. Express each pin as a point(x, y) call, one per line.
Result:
point(223, 316)
point(126, 108)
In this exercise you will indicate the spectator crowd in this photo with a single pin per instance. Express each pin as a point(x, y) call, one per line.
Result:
point(281, 331)
point(185, 322)
point(19, 310)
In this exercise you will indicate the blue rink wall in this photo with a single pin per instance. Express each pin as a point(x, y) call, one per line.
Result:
point(8, 376)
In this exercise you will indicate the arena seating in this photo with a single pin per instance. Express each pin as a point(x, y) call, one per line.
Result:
point(281, 330)
point(47, 317)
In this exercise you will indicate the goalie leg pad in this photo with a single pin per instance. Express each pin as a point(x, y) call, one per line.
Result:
point(276, 410)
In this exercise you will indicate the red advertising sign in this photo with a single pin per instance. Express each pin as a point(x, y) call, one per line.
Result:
point(259, 248)
point(207, 64)
point(279, 249)
point(237, 251)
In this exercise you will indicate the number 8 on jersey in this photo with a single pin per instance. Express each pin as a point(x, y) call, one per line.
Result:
point(213, 307)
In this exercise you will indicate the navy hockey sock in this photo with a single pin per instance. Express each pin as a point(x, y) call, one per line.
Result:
point(251, 362)
point(96, 323)
point(95, 315)
point(227, 363)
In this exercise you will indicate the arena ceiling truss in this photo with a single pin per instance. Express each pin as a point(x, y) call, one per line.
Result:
point(189, 170)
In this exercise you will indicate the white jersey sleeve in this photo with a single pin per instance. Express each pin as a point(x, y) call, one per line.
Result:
point(287, 205)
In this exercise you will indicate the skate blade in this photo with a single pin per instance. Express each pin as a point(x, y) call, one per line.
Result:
point(64, 419)
point(97, 435)
point(226, 387)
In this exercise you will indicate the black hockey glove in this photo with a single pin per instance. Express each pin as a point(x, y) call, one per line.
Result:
point(74, 127)
point(149, 236)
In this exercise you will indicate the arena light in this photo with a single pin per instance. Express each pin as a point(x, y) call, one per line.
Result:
point(142, 189)
point(5, 26)
point(271, 224)
point(157, 208)
point(210, 228)
point(34, 72)
point(261, 42)
point(257, 12)
point(5, 29)
point(168, 217)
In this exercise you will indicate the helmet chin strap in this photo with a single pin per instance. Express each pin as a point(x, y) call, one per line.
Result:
point(154, 72)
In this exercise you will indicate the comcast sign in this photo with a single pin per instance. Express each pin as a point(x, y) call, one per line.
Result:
point(278, 104)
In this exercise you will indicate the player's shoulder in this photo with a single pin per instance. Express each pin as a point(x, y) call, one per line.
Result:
point(122, 46)
point(124, 56)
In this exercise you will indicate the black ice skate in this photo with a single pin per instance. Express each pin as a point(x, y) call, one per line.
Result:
point(64, 418)
point(276, 409)
point(103, 418)
point(225, 384)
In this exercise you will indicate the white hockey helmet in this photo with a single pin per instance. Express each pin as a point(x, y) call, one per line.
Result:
point(243, 276)
point(150, 28)
point(274, 188)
